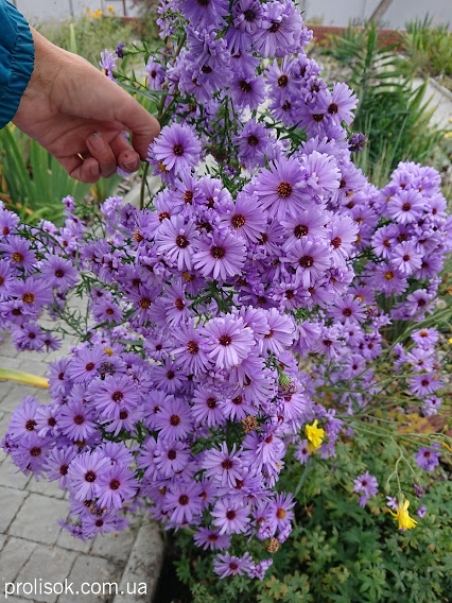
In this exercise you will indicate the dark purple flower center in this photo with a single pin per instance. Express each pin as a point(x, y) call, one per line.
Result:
point(227, 464)
point(238, 221)
point(406, 206)
point(249, 15)
point(90, 366)
point(90, 476)
point(318, 117)
point(306, 261)
point(212, 537)
point(206, 69)
point(237, 400)
point(253, 140)
point(64, 469)
point(245, 86)
point(172, 455)
point(301, 230)
point(123, 415)
point(283, 80)
point(327, 343)
point(333, 109)
point(178, 150)
point(179, 304)
point(284, 190)
point(192, 347)
point(30, 425)
point(218, 252)
point(211, 402)
point(170, 375)
point(117, 396)
point(115, 484)
point(274, 27)
point(145, 303)
point(35, 451)
point(28, 298)
point(79, 419)
point(336, 242)
point(231, 515)
point(175, 420)
point(17, 257)
point(59, 273)
point(347, 312)
point(225, 340)
point(184, 500)
point(51, 421)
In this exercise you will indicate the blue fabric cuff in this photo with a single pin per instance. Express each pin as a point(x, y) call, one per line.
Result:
point(21, 64)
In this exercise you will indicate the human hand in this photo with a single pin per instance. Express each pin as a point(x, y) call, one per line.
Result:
point(75, 112)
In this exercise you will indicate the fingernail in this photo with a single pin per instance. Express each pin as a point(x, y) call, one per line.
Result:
point(132, 165)
point(97, 141)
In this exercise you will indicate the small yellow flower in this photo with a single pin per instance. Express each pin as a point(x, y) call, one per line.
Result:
point(403, 517)
point(97, 14)
point(450, 339)
point(111, 9)
point(315, 436)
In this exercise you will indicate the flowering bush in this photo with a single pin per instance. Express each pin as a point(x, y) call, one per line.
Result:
point(266, 304)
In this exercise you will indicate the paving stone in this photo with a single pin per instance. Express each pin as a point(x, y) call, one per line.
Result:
point(2, 540)
point(35, 367)
point(45, 488)
point(13, 557)
point(66, 541)
point(46, 564)
point(11, 477)
point(115, 545)
point(143, 566)
point(7, 362)
point(37, 519)
point(10, 502)
point(5, 388)
point(94, 578)
point(8, 349)
point(18, 392)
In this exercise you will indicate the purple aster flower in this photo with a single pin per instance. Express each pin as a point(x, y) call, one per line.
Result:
point(183, 503)
point(57, 464)
point(367, 485)
point(108, 63)
point(191, 349)
point(280, 333)
point(30, 453)
point(174, 242)
point(155, 74)
point(59, 273)
point(115, 486)
point(247, 92)
point(112, 394)
point(23, 419)
point(405, 258)
point(76, 421)
point(208, 12)
point(427, 458)
point(206, 409)
point(171, 457)
point(231, 516)
point(357, 142)
point(259, 570)
point(84, 472)
point(311, 260)
point(426, 338)
point(230, 565)
point(340, 104)
point(281, 510)
point(302, 452)
point(18, 251)
point(120, 50)
point(247, 219)
point(8, 222)
point(278, 189)
point(34, 293)
point(255, 143)
point(405, 207)
point(280, 32)
point(422, 511)
point(221, 256)
point(425, 385)
point(211, 539)
point(85, 363)
point(6, 273)
point(177, 148)
point(222, 466)
point(229, 341)
point(174, 420)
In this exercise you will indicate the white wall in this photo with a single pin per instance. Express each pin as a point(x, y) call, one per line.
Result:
point(340, 12)
point(39, 10)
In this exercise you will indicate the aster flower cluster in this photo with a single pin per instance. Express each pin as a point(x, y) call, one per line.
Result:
point(266, 270)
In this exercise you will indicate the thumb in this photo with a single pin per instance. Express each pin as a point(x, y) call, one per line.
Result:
point(140, 123)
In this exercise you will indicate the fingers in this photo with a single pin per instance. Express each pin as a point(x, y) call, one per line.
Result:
point(86, 170)
point(101, 151)
point(141, 124)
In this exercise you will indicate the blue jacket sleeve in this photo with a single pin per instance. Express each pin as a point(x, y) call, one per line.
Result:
point(16, 60)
